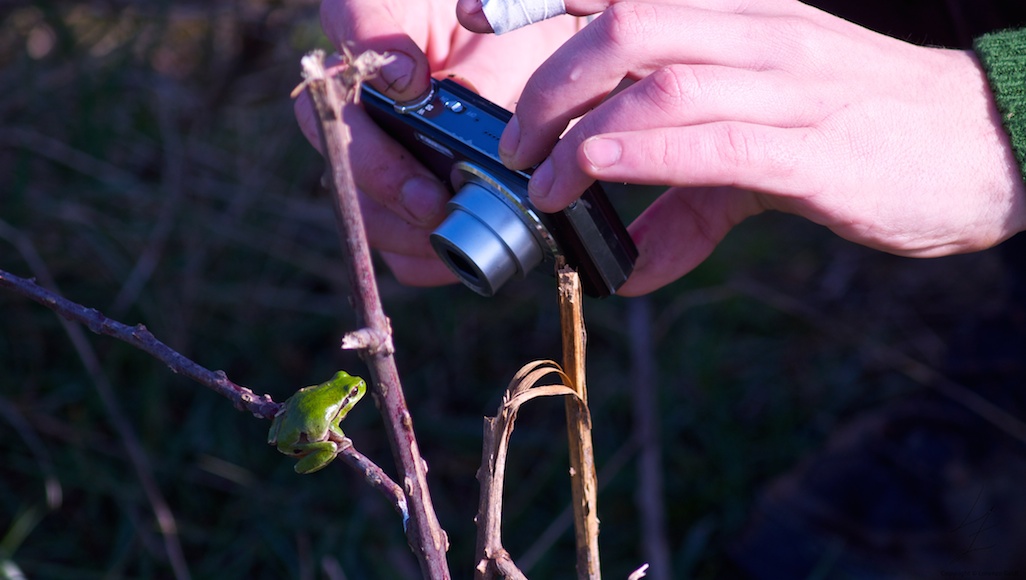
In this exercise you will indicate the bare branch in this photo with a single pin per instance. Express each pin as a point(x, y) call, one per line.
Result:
point(331, 93)
point(493, 560)
point(138, 336)
point(126, 433)
point(243, 398)
point(639, 573)
point(374, 475)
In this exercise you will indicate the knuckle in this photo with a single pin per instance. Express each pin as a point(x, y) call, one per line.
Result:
point(738, 148)
point(674, 87)
point(793, 40)
point(623, 23)
point(666, 149)
point(745, 150)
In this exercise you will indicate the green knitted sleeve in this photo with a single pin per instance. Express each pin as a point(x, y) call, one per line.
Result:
point(1003, 55)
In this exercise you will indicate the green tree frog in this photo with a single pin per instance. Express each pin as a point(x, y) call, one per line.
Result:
point(301, 427)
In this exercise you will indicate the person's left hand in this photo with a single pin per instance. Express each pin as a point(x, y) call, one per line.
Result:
point(402, 202)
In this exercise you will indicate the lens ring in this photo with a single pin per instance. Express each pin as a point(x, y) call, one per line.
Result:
point(464, 172)
point(489, 236)
point(483, 241)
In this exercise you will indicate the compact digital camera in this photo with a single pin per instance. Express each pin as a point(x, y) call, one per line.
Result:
point(492, 232)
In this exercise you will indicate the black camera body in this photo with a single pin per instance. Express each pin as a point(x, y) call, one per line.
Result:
point(492, 232)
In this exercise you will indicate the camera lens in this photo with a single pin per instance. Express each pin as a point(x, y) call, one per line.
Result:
point(484, 240)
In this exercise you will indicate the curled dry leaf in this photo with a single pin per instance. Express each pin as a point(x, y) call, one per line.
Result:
point(493, 560)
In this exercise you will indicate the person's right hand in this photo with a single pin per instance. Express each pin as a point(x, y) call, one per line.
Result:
point(401, 200)
point(746, 106)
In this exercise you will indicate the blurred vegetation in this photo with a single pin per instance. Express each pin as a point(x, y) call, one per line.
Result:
point(154, 166)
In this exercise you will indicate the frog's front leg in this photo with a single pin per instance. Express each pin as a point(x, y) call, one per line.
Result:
point(314, 456)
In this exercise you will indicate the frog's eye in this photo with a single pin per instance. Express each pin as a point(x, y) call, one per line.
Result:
point(352, 394)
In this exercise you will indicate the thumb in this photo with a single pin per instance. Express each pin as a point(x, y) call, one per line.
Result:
point(679, 231)
point(361, 25)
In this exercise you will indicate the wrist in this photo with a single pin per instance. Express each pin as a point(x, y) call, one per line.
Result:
point(1003, 57)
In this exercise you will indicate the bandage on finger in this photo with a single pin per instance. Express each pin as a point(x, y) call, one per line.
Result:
point(509, 15)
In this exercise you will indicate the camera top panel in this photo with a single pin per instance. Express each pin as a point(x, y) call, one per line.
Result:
point(452, 113)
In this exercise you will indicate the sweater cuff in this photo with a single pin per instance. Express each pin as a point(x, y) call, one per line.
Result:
point(1003, 55)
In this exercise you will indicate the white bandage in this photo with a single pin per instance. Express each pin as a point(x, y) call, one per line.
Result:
point(509, 15)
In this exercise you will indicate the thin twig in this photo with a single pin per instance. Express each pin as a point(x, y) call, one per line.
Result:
point(138, 336)
point(897, 359)
point(560, 524)
point(649, 493)
point(173, 192)
point(331, 95)
point(91, 361)
point(243, 398)
point(583, 479)
point(374, 475)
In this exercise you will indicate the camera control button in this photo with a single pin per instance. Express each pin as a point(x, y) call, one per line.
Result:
point(455, 106)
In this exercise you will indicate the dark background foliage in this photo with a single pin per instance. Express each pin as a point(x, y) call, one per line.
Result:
point(151, 165)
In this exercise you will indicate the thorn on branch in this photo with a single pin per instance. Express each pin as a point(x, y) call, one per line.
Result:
point(374, 341)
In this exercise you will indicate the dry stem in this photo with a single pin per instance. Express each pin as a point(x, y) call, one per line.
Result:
point(583, 481)
point(493, 561)
point(331, 94)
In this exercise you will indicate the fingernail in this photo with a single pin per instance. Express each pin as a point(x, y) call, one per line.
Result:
point(423, 199)
point(509, 141)
point(602, 152)
point(471, 7)
point(398, 73)
point(541, 181)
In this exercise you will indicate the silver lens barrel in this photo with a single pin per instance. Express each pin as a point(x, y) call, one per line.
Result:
point(489, 236)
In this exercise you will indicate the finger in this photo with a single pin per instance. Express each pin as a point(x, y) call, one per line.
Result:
point(486, 62)
point(306, 116)
point(417, 271)
point(388, 174)
point(471, 13)
point(382, 169)
point(472, 16)
point(766, 159)
point(633, 40)
point(383, 26)
point(389, 232)
point(675, 96)
point(679, 230)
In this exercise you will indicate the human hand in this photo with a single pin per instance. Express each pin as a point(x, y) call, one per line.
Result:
point(401, 200)
point(743, 107)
